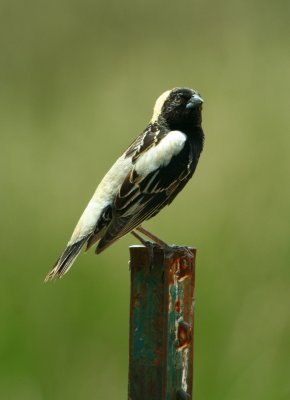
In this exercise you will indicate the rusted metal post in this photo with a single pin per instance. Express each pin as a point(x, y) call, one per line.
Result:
point(161, 323)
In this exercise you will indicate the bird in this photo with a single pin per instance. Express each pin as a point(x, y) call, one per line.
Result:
point(147, 177)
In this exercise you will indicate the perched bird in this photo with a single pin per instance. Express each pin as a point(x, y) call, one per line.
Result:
point(147, 177)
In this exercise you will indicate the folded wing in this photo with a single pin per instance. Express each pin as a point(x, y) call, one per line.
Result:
point(154, 181)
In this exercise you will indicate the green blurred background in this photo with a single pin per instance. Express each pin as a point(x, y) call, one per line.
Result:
point(78, 83)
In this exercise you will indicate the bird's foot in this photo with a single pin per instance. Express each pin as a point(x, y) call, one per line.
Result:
point(145, 243)
point(150, 235)
point(150, 246)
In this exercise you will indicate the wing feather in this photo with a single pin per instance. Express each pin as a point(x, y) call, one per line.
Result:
point(149, 138)
point(141, 197)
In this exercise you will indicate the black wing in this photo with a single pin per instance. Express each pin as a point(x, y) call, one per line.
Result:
point(149, 138)
point(140, 198)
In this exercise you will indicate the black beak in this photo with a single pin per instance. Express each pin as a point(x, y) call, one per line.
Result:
point(194, 101)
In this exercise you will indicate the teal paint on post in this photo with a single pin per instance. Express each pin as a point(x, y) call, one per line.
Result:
point(161, 323)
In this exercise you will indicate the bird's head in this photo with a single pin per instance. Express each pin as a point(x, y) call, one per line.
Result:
point(177, 107)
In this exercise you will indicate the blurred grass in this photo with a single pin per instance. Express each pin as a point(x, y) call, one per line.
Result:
point(79, 80)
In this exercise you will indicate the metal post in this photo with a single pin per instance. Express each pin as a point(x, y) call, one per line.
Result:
point(161, 323)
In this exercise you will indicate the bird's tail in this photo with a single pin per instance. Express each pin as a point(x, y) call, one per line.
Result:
point(66, 260)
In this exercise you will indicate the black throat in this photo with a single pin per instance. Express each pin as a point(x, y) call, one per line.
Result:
point(190, 125)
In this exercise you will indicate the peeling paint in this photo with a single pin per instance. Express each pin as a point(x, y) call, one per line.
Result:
point(184, 378)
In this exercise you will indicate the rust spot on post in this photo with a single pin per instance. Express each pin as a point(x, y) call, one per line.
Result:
point(184, 334)
point(177, 306)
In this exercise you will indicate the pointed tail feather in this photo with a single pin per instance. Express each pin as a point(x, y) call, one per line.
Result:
point(66, 260)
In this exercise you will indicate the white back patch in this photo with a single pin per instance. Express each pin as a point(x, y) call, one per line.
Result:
point(159, 104)
point(161, 154)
